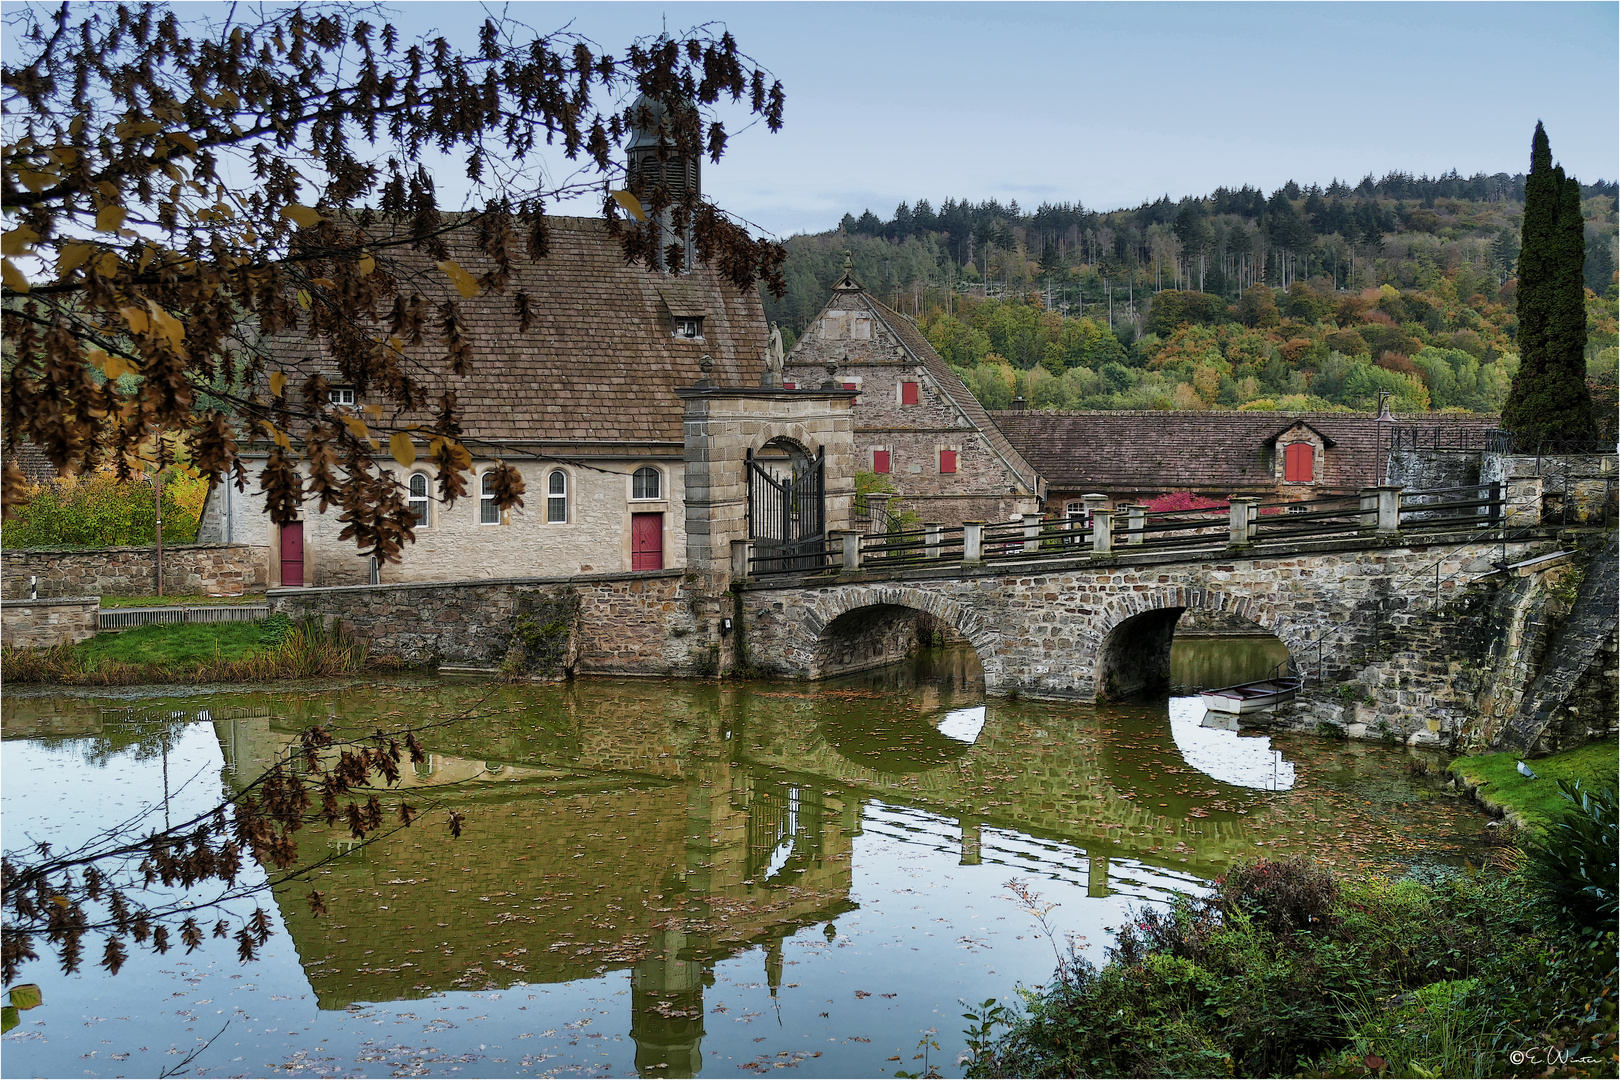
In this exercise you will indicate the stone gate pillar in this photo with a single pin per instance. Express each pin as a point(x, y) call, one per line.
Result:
point(723, 425)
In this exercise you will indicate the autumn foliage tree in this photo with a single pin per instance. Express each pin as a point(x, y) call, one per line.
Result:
point(179, 191)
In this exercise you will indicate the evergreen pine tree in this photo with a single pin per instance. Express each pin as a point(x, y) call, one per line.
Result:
point(1549, 399)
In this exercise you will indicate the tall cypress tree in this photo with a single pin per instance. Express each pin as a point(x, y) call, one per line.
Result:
point(1549, 399)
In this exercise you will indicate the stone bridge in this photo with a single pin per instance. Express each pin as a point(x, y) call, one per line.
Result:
point(1089, 628)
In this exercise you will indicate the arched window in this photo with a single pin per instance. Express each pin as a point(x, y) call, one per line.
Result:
point(488, 512)
point(1299, 463)
point(646, 484)
point(418, 501)
point(557, 497)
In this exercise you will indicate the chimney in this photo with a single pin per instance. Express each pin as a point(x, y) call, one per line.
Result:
point(1019, 404)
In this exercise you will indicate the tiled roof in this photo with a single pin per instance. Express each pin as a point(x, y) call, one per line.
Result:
point(599, 361)
point(1203, 451)
point(941, 372)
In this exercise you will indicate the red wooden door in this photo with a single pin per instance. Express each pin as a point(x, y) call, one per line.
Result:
point(646, 541)
point(1299, 463)
point(292, 555)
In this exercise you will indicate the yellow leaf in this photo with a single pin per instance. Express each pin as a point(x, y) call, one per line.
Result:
point(107, 265)
point(278, 382)
point(71, 257)
point(357, 427)
point(630, 203)
point(464, 282)
point(400, 445)
point(279, 437)
point(147, 255)
point(182, 139)
point(12, 276)
point(326, 282)
point(167, 325)
point(117, 367)
point(110, 218)
point(304, 216)
point(372, 410)
point(367, 265)
point(19, 240)
point(303, 299)
point(35, 179)
point(26, 996)
point(136, 318)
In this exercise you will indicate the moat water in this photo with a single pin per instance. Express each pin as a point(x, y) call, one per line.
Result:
point(674, 878)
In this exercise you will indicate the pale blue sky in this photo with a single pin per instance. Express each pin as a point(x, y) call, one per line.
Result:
point(1112, 104)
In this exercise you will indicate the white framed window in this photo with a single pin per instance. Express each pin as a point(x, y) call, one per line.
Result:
point(417, 500)
point(688, 326)
point(488, 512)
point(557, 497)
point(647, 483)
point(341, 395)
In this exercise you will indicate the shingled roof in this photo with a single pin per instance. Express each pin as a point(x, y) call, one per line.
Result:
point(947, 379)
point(599, 362)
point(1202, 451)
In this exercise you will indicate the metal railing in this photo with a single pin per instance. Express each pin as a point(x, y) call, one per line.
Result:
point(1134, 530)
point(129, 618)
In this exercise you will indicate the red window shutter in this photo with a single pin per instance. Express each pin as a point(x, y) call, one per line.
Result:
point(947, 461)
point(851, 386)
point(908, 393)
point(1299, 463)
point(790, 385)
point(880, 461)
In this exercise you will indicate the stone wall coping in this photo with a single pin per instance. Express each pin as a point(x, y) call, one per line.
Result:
point(1126, 561)
point(762, 392)
point(145, 548)
point(51, 601)
point(396, 586)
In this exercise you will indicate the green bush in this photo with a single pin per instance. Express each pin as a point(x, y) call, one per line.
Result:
point(101, 511)
point(1578, 860)
point(1285, 970)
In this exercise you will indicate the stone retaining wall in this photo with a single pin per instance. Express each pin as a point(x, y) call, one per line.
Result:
point(188, 570)
point(36, 623)
point(657, 622)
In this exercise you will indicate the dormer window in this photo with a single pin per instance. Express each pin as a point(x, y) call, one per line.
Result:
point(341, 395)
point(689, 327)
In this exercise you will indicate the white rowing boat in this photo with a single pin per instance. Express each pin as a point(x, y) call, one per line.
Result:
point(1252, 696)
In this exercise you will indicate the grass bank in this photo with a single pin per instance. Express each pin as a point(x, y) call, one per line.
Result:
point(272, 648)
point(1536, 803)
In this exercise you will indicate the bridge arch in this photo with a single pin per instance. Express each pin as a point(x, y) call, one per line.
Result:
point(850, 626)
point(1134, 633)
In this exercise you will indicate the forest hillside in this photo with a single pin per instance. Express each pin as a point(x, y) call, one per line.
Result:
point(1310, 298)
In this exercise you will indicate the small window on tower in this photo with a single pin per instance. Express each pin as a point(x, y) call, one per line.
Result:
point(341, 395)
point(689, 327)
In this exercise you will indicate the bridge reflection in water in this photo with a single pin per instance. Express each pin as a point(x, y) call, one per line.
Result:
point(660, 829)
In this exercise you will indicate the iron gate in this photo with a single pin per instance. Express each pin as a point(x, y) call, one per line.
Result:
point(787, 514)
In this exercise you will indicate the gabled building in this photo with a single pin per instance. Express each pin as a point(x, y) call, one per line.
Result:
point(582, 403)
point(1131, 457)
point(916, 422)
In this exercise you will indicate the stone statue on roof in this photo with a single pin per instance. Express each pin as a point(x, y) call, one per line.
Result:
point(771, 377)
